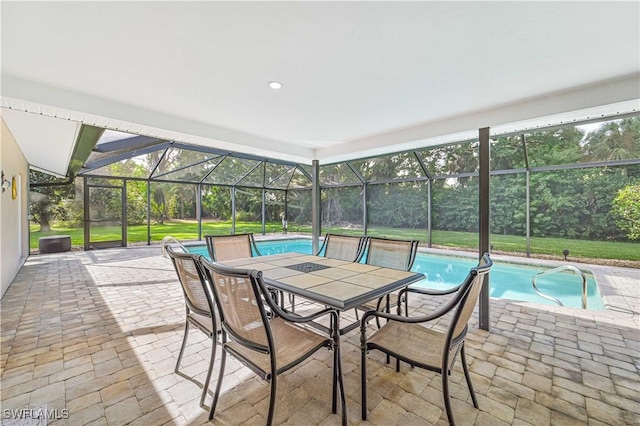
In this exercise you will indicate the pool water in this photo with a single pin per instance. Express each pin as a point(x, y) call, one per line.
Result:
point(508, 281)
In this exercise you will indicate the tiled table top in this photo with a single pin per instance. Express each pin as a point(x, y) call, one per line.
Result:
point(336, 283)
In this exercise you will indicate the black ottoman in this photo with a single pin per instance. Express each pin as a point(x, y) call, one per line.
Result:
point(54, 244)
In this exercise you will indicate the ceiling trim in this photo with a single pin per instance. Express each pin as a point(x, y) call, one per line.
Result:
point(605, 98)
point(122, 117)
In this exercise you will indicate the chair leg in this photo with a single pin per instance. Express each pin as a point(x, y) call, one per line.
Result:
point(205, 388)
point(292, 302)
point(184, 344)
point(387, 309)
point(468, 376)
point(335, 335)
point(335, 380)
point(343, 399)
point(272, 399)
point(223, 360)
point(363, 384)
point(445, 394)
point(406, 305)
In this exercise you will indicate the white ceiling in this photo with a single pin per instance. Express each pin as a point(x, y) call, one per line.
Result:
point(45, 141)
point(360, 78)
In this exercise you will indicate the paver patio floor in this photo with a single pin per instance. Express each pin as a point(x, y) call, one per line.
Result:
point(96, 335)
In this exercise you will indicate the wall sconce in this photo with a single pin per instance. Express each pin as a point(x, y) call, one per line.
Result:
point(5, 183)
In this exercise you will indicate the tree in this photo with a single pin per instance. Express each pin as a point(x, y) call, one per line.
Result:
point(616, 140)
point(216, 202)
point(46, 201)
point(627, 207)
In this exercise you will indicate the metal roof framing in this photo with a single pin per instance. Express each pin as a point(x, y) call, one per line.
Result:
point(140, 145)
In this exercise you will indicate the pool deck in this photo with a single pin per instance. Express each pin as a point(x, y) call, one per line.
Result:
point(98, 334)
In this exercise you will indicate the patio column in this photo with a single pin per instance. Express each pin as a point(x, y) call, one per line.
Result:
point(429, 235)
point(148, 212)
point(125, 221)
point(483, 214)
point(528, 217)
point(286, 207)
point(85, 183)
point(264, 211)
point(199, 210)
point(315, 206)
point(365, 214)
point(233, 209)
point(528, 201)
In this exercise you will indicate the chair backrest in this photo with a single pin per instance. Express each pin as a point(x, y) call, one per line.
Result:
point(238, 297)
point(469, 293)
point(230, 247)
point(391, 253)
point(197, 295)
point(343, 247)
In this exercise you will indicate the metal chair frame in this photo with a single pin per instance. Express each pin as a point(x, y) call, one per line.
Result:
point(213, 270)
point(251, 246)
point(412, 250)
point(190, 307)
point(357, 256)
point(452, 342)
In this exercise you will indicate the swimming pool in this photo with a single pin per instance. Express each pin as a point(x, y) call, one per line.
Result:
point(508, 281)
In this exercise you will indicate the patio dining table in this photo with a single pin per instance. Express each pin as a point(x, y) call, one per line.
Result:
point(335, 283)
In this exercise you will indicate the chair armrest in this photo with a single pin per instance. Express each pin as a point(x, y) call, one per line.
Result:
point(400, 318)
point(428, 291)
point(393, 317)
point(300, 319)
point(287, 315)
point(334, 334)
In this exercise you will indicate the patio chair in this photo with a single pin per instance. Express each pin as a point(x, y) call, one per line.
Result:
point(230, 247)
point(267, 345)
point(406, 339)
point(343, 247)
point(389, 253)
point(199, 304)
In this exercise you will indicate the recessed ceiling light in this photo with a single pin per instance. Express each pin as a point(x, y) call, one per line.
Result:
point(275, 85)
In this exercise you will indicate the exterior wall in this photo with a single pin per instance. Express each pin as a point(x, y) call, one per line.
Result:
point(14, 231)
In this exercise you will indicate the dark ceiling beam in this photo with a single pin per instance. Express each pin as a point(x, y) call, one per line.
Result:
point(90, 166)
point(196, 163)
point(217, 151)
point(87, 139)
point(305, 173)
point(131, 143)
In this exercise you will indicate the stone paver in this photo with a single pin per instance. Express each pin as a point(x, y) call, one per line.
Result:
point(98, 334)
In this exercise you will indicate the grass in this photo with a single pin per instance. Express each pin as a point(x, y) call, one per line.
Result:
point(181, 229)
point(188, 230)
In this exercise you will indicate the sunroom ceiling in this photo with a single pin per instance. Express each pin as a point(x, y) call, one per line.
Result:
point(359, 78)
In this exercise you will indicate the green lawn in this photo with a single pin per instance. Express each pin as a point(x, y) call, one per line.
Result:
point(188, 230)
point(182, 230)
